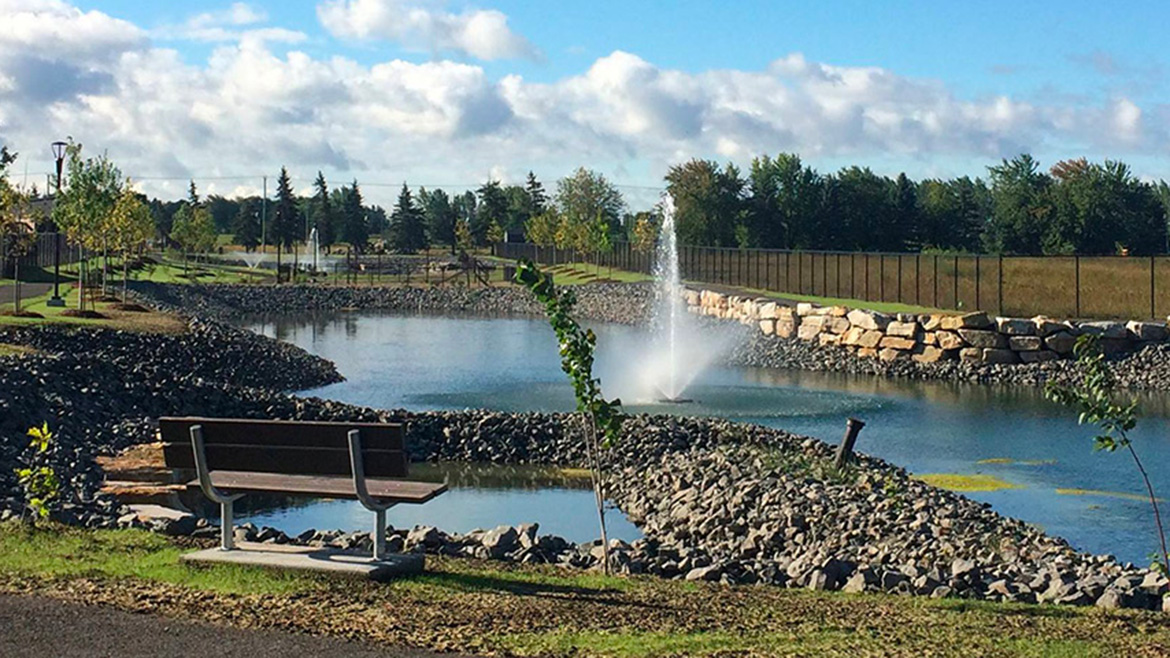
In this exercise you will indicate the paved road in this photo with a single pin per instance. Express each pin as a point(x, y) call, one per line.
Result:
point(37, 627)
point(27, 291)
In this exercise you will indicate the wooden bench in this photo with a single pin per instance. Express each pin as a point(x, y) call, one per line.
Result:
point(231, 457)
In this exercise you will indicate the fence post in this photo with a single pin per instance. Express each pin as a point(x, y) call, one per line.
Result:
point(955, 277)
point(977, 261)
point(881, 277)
point(1153, 315)
point(867, 276)
point(999, 293)
point(825, 273)
point(899, 278)
point(838, 274)
point(1077, 283)
point(934, 280)
point(917, 279)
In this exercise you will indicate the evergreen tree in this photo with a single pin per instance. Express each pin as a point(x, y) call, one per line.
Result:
point(904, 222)
point(193, 195)
point(355, 229)
point(247, 225)
point(1021, 206)
point(440, 217)
point(287, 219)
point(537, 199)
point(407, 228)
point(323, 219)
point(492, 209)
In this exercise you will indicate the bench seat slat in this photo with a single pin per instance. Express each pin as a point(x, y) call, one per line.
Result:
point(398, 491)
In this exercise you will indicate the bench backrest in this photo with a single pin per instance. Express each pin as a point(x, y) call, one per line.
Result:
point(287, 447)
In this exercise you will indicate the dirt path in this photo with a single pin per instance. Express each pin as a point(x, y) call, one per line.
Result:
point(35, 627)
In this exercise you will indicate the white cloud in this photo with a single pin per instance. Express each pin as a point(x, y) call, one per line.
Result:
point(250, 109)
point(479, 33)
point(236, 23)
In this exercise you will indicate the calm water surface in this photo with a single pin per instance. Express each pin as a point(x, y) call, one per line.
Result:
point(427, 362)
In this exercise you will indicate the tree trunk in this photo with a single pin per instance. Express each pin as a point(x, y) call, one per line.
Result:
point(598, 486)
point(16, 286)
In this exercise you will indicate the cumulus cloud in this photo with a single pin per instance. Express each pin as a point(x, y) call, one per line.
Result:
point(250, 108)
point(480, 33)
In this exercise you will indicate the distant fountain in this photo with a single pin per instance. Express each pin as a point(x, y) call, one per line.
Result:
point(314, 251)
point(251, 258)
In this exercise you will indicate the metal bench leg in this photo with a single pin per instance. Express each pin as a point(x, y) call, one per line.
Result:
point(379, 534)
point(363, 494)
point(227, 531)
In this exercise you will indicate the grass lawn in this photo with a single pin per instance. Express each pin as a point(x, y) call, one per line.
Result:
point(114, 319)
point(475, 606)
point(570, 274)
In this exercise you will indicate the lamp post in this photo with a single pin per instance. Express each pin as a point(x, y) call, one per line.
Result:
point(59, 156)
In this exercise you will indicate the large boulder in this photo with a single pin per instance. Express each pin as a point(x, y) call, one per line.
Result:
point(838, 325)
point(872, 320)
point(767, 311)
point(948, 340)
point(928, 354)
point(1025, 343)
point(1104, 329)
point(971, 354)
point(767, 327)
point(1061, 342)
point(1015, 326)
point(977, 320)
point(892, 354)
point(897, 343)
point(902, 329)
point(810, 327)
point(996, 355)
point(983, 338)
point(931, 322)
point(853, 336)
point(1147, 331)
point(871, 339)
point(1045, 327)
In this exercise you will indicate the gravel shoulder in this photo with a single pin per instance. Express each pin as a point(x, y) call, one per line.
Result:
point(37, 626)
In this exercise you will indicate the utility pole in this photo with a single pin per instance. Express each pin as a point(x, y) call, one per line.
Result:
point(263, 216)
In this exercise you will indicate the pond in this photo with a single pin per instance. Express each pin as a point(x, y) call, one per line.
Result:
point(510, 364)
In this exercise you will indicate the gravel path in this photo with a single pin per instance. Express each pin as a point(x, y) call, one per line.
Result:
point(36, 627)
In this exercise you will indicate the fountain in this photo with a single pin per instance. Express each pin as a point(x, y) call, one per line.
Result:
point(314, 248)
point(679, 352)
point(251, 258)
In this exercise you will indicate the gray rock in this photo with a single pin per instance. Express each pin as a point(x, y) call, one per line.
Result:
point(983, 338)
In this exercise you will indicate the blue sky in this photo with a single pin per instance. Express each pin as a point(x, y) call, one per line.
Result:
point(933, 88)
point(990, 47)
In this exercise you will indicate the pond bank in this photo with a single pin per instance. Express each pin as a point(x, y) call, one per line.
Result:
point(717, 501)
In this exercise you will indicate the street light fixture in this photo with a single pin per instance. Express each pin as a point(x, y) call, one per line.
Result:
point(59, 155)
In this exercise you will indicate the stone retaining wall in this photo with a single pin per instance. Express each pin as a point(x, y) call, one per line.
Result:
point(925, 338)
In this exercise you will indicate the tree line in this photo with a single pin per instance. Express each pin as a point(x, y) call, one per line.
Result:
point(1076, 206)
